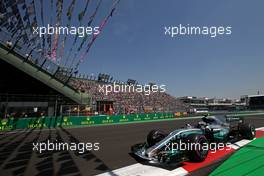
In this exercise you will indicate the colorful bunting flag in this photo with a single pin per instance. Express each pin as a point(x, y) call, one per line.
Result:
point(103, 23)
point(69, 15)
point(59, 5)
point(91, 18)
point(82, 13)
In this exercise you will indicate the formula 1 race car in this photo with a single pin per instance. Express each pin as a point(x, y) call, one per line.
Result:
point(161, 147)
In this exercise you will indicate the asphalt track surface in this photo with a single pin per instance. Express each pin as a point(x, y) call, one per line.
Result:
point(18, 158)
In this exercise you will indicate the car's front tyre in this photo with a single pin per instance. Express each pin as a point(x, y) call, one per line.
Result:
point(155, 136)
point(197, 150)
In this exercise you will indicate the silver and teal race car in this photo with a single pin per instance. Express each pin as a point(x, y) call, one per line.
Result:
point(192, 143)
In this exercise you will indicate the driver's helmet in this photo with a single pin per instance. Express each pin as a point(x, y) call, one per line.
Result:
point(201, 124)
point(188, 125)
point(209, 119)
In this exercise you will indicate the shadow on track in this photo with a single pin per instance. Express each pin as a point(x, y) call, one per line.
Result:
point(88, 155)
point(8, 148)
point(55, 162)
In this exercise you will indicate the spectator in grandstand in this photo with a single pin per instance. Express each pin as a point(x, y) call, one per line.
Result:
point(9, 44)
point(29, 58)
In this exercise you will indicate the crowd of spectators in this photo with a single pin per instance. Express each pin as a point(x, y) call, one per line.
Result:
point(129, 102)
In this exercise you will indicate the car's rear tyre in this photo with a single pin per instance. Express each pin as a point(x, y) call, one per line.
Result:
point(247, 131)
point(197, 151)
point(155, 136)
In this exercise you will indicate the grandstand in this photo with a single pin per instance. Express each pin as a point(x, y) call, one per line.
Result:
point(253, 102)
point(128, 102)
point(39, 78)
point(23, 81)
point(35, 83)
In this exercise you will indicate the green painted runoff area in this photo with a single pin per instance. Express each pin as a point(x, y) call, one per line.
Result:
point(249, 160)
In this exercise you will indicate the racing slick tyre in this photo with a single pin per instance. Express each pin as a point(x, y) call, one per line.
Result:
point(247, 131)
point(155, 136)
point(197, 153)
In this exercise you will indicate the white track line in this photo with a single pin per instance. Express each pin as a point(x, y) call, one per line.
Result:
point(241, 143)
point(146, 170)
point(260, 129)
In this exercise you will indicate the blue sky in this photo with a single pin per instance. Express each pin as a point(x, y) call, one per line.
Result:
point(133, 45)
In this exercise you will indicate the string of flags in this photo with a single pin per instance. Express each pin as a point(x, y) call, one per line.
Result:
point(49, 42)
point(102, 25)
point(80, 18)
point(59, 6)
point(69, 17)
point(42, 22)
point(20, 17)
point(91, 42)
point(91, 18)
